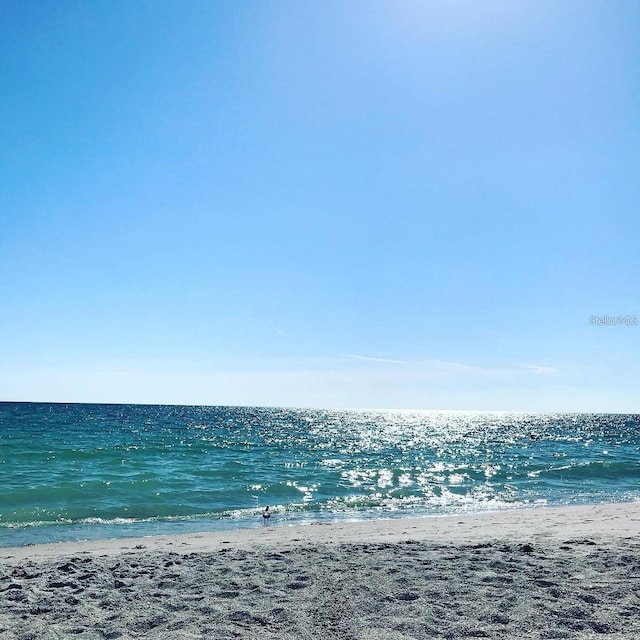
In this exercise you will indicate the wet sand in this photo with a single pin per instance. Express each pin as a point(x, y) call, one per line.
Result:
point(541, 573)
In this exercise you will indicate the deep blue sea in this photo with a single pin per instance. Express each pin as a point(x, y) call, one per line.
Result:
point(81, 471)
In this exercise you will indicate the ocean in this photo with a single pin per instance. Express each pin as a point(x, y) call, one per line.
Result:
point(82, 471)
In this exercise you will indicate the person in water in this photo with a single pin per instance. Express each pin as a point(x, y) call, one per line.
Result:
point(266, 515)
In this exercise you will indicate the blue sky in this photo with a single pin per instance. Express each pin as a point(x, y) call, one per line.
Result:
point(328, 204)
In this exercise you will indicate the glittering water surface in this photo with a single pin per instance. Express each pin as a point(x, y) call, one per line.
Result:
point(89, 471)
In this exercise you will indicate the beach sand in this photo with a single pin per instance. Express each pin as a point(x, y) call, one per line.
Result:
point(541, 573)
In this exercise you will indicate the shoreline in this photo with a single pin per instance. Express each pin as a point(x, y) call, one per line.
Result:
point(564, 573)
point(603, 520)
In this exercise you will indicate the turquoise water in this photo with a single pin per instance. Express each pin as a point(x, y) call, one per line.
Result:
point(98, 471)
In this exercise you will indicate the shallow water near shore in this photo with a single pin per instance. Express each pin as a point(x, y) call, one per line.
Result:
point(74, 472)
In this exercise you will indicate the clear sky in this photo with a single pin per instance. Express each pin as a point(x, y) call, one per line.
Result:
point(386, 204)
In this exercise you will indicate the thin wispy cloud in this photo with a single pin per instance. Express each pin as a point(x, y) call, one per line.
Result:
point(540, 369)
point(465, 369)
point(430, 365)
point(433, 365)
point(354, 356)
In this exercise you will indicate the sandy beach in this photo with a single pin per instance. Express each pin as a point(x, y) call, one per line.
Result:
point(540, 573)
